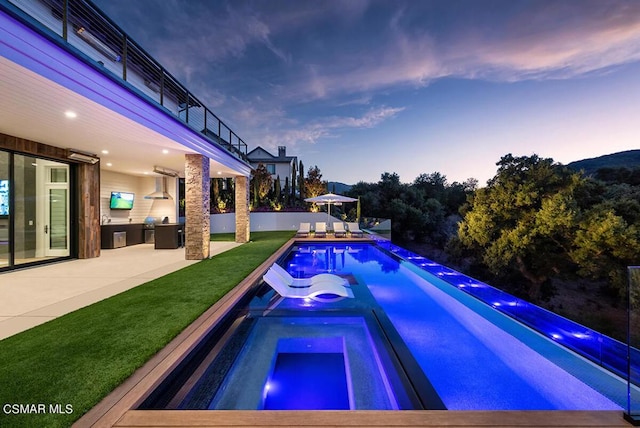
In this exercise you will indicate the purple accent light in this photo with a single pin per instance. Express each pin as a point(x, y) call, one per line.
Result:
point(601, 349)
point(37, 53)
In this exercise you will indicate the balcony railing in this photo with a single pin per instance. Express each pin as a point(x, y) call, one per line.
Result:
point(89, 30)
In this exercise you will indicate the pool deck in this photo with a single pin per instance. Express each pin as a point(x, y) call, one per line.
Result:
point(369, 418)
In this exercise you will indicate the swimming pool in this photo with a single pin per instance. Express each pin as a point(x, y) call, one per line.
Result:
point(407, 340)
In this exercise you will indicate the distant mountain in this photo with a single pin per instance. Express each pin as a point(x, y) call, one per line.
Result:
point(629, 159)
point(339, 188)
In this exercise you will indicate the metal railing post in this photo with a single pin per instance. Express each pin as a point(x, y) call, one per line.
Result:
point(187, 108)
point(65, 16)
point(161, 86)
point(124, 57)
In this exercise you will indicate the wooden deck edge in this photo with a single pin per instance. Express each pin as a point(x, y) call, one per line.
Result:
point(373, 419)
point(135, 389)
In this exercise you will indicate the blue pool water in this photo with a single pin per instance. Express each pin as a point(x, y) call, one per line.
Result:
point(308, 371)
point(407, 340)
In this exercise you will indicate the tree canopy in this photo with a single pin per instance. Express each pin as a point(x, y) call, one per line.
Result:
point(541, 219)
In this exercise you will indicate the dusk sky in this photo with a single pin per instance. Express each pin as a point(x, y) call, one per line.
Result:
point(363, 87)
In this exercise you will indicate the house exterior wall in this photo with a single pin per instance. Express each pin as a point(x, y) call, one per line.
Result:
point(283, 164)
point(142, 208)
point(283, 170)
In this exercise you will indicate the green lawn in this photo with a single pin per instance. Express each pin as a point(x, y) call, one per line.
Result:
point(225, 236)
point(81, 357)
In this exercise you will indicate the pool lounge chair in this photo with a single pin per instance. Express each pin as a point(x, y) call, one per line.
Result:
point(354, 229)
point(315, 291)
point(304, 229)
point(321, 229)
point(338, 229)
point(307, 282)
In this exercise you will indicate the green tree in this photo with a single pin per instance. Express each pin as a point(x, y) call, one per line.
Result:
point(313, 184)
point(277, 189)
point(524, 219)
point(605, 245)
point(301, 182)
point(294, 177)
point(262, 182)
point(432, 185)
point(286, 192)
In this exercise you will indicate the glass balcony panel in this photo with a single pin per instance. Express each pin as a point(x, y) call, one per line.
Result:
point(47, 13)
point(633, 346)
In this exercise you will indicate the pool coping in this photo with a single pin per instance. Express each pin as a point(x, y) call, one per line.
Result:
point(118, 408)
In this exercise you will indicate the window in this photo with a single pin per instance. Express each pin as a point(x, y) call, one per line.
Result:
point(271, 168)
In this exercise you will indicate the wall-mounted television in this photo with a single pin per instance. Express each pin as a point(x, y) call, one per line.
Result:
point(121, 201)
point(4, 197)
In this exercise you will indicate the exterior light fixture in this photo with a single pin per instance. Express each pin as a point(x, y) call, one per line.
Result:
point(165, 171)
point(152, 85)
point(98, 44)
point(80, 156)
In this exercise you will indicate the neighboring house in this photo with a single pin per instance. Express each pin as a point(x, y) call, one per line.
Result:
point(90, 126)
point(278, 166)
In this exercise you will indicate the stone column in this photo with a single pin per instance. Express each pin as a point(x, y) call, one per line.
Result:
point(242, 209)
point(197, 221)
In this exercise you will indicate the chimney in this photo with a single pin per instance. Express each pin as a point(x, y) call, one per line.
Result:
point(282, 151)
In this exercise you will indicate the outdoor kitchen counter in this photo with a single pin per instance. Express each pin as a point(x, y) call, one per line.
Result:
point(134, 231)
point(168, 236)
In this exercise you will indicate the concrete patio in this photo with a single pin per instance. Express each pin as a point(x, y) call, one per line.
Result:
point(30, 297)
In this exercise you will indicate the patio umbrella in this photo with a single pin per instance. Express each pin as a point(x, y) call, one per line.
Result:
point(330, 198)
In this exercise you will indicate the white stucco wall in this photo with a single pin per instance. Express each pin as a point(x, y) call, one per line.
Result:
point(283, 170)
point(261, 221)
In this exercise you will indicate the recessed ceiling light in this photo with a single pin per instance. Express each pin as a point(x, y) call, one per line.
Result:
point(146, 173)
point(109, 164)
point(70, 114)
point(219, 172)
point(165, 151)
point(105, 152)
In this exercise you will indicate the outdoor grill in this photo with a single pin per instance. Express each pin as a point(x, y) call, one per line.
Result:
point(149, 229)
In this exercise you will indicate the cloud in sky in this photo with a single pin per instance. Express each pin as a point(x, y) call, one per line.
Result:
point(379, 44)
point(302, 72)
point(277, 129)
point(546, 40)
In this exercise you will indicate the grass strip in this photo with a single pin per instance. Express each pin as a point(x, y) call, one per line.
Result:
point(224, 237)
point(79, 358)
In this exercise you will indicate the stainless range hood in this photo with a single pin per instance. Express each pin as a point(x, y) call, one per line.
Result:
point(161, 190)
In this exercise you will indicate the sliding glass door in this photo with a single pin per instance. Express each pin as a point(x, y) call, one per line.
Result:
point(4, 209)
point(34, 209)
